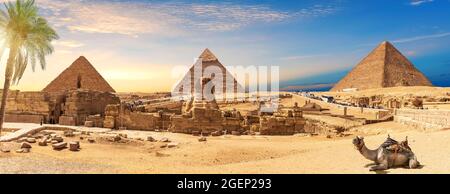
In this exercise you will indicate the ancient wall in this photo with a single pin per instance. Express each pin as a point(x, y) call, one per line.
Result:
point(17, 118)
point(287, 123)
point(68, 120)
point(116, 117)
point(28, 107)
point(140, 121)
point(80, 104)
point(281, 126)
point(423, 119)
point(201, 120)
point(94, 121)
point(169, 106)
point(28, 102)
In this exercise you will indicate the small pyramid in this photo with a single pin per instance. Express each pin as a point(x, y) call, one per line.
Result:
point(384, 67)
point(207, 56)
point(80, 75)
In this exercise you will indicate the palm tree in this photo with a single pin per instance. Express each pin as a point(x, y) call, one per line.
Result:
point(28, 37)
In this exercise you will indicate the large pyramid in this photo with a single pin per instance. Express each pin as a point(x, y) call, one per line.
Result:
point(208, 59)
point(383, 67)
point(80, 75)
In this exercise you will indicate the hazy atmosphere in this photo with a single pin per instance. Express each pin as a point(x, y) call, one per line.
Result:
point(135, 44)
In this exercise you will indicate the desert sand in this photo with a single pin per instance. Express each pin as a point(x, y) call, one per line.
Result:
point(234, 154)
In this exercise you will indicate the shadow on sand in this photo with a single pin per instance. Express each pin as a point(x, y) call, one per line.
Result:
point(387, 171)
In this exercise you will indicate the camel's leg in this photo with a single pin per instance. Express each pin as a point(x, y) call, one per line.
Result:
point(413, 163)
point(383, 162)
point(371, 164)
point(382, 166)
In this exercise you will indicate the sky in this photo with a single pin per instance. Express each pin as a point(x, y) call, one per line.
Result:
point(135, 44)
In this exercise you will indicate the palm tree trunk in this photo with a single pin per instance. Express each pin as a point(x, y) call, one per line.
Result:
point(7, 84)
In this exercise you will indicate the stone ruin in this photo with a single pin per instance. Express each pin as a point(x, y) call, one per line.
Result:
point(81, 105)
point(72, 107)
point(120, 116)
point(29, 107)
point(203, 116)
point(287, 123)
point(387, 102)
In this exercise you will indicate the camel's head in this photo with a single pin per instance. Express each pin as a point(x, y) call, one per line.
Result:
point(358, 142)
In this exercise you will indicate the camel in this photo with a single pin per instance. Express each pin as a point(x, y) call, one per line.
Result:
point(389, 154)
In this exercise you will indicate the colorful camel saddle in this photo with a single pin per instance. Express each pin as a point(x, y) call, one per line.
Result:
point(394, 146)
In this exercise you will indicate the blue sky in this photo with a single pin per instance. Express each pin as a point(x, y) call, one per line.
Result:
point(135, 44)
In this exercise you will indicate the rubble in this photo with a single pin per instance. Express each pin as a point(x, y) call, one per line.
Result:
point(25, 145)
point(74, 146)
point(31, 140)
point(172, 145)
point(151, 139)
point(59, 146)
point(69, 133)
point(23, 139)
point(42, 142)
point(91, 140)
point(112, 138)
point(164, 139)
point(163, 145)
point(58, 139)
point(124, 135)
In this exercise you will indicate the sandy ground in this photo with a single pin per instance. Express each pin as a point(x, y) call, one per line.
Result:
point(233, 154)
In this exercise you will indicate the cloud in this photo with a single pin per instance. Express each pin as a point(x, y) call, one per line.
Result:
point(68, 43)
point(425, 37)
point(134, 18)
point(419, 2)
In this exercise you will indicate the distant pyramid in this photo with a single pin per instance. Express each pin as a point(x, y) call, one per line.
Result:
point(383, 67)
point(208, 59)
point(80, 75)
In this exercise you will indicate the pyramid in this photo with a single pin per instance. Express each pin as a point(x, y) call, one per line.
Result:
point(208, 59)
point(208, 56)
point(383, 67)
point(80, 75)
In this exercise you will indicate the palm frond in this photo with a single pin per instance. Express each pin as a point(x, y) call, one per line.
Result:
point(27, 34)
